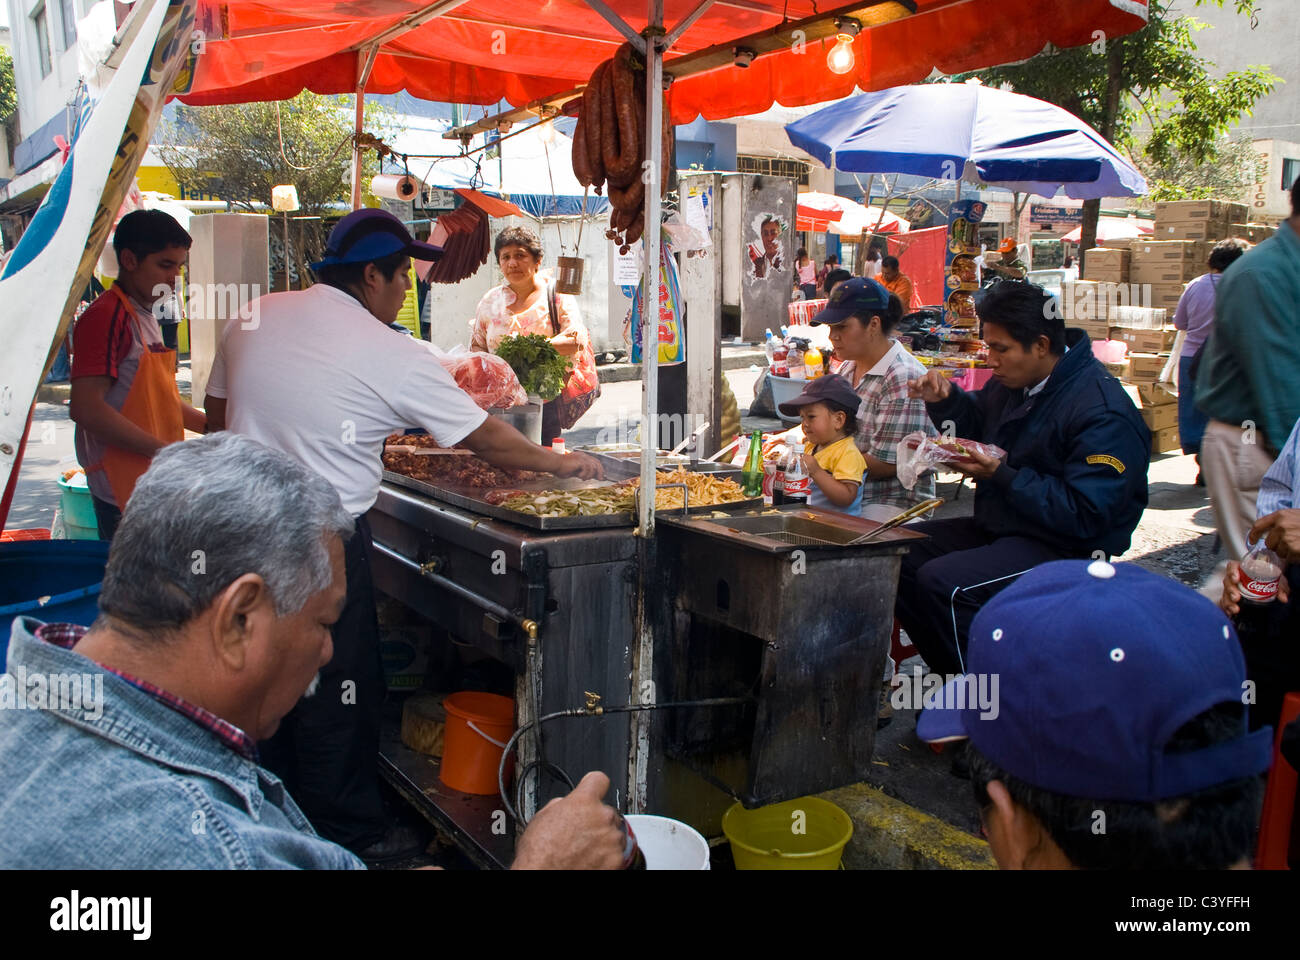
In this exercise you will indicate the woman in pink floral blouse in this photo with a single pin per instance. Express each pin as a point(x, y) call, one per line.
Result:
point(521, 306)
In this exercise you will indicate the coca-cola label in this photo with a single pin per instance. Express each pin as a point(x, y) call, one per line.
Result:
point(801, 486)
point(769, 481)
point(1261, 591)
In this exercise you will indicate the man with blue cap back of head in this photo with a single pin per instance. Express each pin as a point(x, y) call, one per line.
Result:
point(1106, 714)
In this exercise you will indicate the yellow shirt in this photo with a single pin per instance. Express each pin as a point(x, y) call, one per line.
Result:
point(843, 461)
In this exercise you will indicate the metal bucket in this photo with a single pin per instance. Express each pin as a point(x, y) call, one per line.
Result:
point(526, 418)
point(568, 275)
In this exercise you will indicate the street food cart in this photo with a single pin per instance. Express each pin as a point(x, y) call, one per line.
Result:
point(738, 618)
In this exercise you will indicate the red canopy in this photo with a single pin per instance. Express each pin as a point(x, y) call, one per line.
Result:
point(482, 51)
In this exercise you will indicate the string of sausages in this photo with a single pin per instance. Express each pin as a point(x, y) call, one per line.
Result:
point(609, 143)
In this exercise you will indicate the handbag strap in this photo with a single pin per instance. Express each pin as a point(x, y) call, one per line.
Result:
point(552, 305)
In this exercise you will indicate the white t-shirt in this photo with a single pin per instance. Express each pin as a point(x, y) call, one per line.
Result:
point(319, 377)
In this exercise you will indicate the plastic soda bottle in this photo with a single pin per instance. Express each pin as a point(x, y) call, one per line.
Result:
point(780, 365)
point(798, 485)
point(812, 362)
point(1259, 573)
point(752, 473)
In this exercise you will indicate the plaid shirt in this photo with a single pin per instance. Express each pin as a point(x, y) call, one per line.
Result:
point(886, 416)
point(66, 635)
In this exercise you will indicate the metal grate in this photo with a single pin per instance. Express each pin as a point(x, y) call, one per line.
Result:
point(776, 531)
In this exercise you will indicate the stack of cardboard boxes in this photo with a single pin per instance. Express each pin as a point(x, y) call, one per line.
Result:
point(1150, 338)
point(1159, 409)
point(1211, 220)
point(1086, 304)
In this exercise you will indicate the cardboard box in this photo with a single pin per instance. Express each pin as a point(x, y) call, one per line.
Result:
point(1255, 232)
point(1154, 394)
point(1095, 329)
point(1174, 211)
point(1146, 366)
point(1186, 211)
point(1125, 243)
point(1146, 251)
point(1163, 296)
point(1165, 271)
point(1138, 318)
point(1144, 341)
point(1160, 418)
point(1150, 395)
point(1118, 369)
point(1164, 441)
point(1211, 230)
point(1084, 300)
point(1106, 265)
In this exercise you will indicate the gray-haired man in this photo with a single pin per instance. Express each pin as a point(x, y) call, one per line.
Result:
point(224, 579)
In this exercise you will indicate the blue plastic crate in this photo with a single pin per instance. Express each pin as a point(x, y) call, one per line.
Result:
point(64, 574)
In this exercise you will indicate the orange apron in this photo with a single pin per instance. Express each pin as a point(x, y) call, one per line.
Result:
point(153, 404)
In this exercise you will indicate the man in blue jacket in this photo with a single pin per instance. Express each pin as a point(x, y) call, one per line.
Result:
point(1073, 484)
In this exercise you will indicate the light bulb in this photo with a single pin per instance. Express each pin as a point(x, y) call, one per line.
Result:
point(547, 133)
point(841, 58)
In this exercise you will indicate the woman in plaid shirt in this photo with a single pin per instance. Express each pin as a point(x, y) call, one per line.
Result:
point(861, 313)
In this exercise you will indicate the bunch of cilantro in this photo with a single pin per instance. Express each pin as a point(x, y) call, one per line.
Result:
point(538, 365)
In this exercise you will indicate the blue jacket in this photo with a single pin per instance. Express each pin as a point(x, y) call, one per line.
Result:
point(1075, 475)
point(129, 783)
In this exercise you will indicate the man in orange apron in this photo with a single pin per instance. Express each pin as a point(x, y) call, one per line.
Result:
point(124, 398)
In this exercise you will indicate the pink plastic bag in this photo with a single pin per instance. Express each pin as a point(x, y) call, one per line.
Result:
point(486, 377)
point(918, 454)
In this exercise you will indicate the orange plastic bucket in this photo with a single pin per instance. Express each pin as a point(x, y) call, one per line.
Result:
point(478, 726)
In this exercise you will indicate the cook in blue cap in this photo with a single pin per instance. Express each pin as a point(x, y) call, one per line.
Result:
point(1116, 735)
point(371, 234)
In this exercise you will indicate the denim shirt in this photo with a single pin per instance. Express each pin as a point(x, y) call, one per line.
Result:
point(129, 783)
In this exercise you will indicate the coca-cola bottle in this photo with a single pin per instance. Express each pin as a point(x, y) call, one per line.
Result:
point(780, 365)
point(778, 482)
point(633, 858)
point(798, 484)
point(1259, 573)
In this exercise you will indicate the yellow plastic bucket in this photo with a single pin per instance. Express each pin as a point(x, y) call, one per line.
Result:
point(802, 834)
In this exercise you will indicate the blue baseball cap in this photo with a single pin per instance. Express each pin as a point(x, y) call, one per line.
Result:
point(831, 388)
point(372, 234)
point(1094, 666)
point(859, 296)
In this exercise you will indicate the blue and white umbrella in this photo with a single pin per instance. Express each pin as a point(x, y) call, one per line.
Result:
point(968, 131)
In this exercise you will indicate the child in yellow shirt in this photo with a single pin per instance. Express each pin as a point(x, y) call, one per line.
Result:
point(828, 408)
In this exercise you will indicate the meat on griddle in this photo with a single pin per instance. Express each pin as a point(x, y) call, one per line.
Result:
point(454, 470)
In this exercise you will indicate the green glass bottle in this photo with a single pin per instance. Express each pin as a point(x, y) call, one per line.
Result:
point(752, 474)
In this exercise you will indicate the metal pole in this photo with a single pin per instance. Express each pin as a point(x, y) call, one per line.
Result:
point(356, 149)
point(643, 660)
point(650, 279)
point(365, 63)
point(286, 251)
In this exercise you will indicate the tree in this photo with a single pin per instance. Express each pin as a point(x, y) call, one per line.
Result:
point(1153, 75)
point(8, 88)
point(1231, 167)
point(241, 151)
point(8, 97)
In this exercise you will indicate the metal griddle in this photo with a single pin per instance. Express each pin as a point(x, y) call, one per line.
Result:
point(472, 498)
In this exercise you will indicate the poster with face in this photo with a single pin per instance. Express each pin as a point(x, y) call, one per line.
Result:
point(766, 252)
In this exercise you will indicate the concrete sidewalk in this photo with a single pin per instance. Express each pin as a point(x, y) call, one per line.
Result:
point(734, 357)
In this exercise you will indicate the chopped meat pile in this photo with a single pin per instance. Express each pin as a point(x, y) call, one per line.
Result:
point(411, 440)
point(465, 471)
